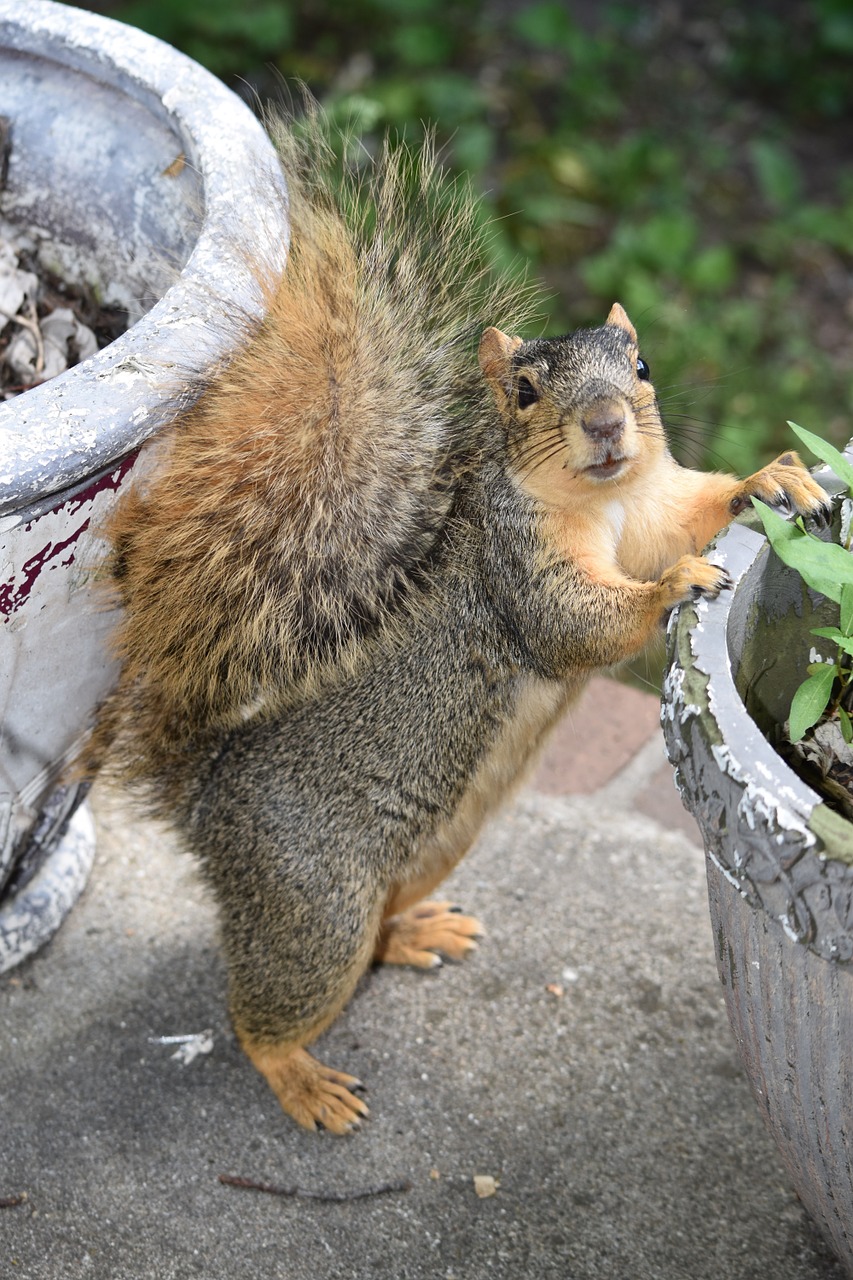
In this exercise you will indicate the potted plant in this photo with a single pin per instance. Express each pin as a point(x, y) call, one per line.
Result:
point(135, 172)
point(779, 858)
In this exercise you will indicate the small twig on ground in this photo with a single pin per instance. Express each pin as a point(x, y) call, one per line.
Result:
point(384, 1188)
point(12, 1202)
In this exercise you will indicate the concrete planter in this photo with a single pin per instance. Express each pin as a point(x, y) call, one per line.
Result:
point(779, 865)
point(142, 175)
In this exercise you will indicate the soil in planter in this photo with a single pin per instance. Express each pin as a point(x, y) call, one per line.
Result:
point(47, 325)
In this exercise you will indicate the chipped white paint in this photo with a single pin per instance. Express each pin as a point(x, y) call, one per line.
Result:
point(790, 931)
point(674, 702)
point(724, 871)
point(846, 514)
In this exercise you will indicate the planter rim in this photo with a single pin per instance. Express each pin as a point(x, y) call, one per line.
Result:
point(765, 830)
point(49, 438)
point(743, 753)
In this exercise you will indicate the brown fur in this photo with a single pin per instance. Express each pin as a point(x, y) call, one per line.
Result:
point(298, 499)
point(363, 582)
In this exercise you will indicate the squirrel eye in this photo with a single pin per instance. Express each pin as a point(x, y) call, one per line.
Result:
point(527, 393)
point(642, 369)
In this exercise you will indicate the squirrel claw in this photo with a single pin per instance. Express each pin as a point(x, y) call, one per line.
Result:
point(710, 591)
point(309, 1091)
point(783, 505)
point(822, 515)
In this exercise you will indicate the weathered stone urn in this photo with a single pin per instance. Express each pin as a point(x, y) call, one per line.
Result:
point(779, 866)
point(136, 173)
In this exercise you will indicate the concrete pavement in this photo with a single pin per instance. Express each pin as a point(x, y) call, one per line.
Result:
point(581, 1059)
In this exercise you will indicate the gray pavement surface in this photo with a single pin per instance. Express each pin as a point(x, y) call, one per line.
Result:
point(581, 1058)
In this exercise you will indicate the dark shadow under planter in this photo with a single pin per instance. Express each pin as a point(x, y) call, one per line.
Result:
point(779, 865)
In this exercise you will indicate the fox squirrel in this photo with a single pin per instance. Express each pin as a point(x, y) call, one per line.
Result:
point(364, 579)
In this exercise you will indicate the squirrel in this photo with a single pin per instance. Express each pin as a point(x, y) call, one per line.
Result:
point(368, 571)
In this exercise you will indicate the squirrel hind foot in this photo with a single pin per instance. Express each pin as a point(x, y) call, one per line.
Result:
point(424, 933)
point(309, 1091)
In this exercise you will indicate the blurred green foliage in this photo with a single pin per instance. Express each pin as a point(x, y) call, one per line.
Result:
point(689, 159)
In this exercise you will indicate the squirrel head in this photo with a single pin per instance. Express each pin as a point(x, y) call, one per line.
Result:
point(579, 411)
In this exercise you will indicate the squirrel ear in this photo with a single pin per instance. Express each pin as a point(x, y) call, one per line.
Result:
point(495, 354)
point(619, 317)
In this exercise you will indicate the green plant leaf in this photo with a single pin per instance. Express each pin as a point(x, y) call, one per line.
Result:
point(826, 452)
point(847, 608)
point(810, 701)
point(846, 725)
point(824, 566)
point(777, 172)
point(423, 44)
point(713, 270)
point(837, 637)
point(547, 25)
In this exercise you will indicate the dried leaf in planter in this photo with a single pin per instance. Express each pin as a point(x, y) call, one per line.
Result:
point(25, 356)
point(69, 335)
point(41, 330)
point(65, 341)
point(16, 285)
point(825, 761)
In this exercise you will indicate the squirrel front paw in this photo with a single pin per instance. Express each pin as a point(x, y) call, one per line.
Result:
point(691, 578)
point(788, 486)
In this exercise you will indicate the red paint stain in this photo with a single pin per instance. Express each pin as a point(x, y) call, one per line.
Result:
point(15, 592)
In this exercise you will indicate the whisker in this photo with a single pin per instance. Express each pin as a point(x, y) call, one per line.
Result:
point(700, 453)
point(539, 448)
point(531, 460)
point(681, 415)
point(641, 679)
point(555, 453)
point(698, 391)
point(542, 440)
point(734, 372)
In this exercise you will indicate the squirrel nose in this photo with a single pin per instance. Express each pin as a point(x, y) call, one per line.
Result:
point(604, 421)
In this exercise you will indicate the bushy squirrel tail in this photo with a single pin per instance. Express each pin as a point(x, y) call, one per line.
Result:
point(301, 497)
